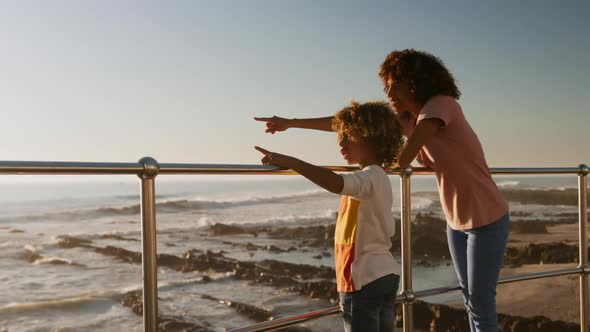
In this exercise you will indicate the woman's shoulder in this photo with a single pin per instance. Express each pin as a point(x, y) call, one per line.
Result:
point(442, 101)
point(442, 107)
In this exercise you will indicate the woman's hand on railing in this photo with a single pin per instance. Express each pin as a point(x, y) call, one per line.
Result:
point(274, 124)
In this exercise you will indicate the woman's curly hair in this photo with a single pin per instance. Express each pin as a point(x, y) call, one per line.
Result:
point(373, 122)
point(425, 74)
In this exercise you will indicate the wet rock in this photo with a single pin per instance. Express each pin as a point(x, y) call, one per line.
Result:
point(298, 271)
point(319, 289)
point(520, 214)
point(117, 237)
point(120, 253)
point(250, 247)
point(528, 227)
point(247, 310)
point(541, 254)
point(176, 324)
point(544, 197)
point(134, 300)
point(192, 261)
point(314, 236)
point(439, 317)
point(429, 239)
point(536, 323)
point(171, 261)
point(222, 229)
point(270, 279)
point(445, 318)
point(66, 241)
point(31, 256)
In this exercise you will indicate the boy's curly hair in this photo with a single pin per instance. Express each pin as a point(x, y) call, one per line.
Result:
point(374, 122)
point(424, 72)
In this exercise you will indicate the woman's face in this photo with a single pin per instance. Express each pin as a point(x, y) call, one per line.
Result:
point(401, 97)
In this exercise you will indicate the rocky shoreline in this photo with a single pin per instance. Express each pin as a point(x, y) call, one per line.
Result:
point(429, 248)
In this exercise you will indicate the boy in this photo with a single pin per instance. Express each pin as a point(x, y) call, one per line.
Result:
point(367, 276)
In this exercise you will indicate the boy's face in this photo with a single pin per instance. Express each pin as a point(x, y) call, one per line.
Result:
point(356, 152)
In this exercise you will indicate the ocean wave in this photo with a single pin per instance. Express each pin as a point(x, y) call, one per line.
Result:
point(33, 256)
point(507, 183)
point(421, 203)
point(55, 261)
point(66, 302)
point(9, 244)
point(169, 206)
point(115, 295)
point(327, 217)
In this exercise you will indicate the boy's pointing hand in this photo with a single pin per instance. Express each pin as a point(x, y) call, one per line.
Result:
point(272, 158)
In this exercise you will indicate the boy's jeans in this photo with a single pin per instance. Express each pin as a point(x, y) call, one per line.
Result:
point(477, 256)
point(371, 309)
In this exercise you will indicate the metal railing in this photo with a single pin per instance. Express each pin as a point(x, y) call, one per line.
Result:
point(147, 169)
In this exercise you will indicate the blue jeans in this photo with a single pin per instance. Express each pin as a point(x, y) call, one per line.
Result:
point(477, 256)
point(371, 309)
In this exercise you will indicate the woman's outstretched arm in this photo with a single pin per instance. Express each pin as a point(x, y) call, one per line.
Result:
point(276, 123)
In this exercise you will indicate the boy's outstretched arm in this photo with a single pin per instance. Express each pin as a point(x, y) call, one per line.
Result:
point(323, 177)
point(276, 123)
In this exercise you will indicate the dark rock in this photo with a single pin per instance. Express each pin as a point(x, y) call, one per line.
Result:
point(134, 300)
point(222, 229)
point(544, 197)
point(447, 318)
point(66, 241)
point(247, 310)
point(205, 261)
point(319, 289)
point(31, 256)
point(120, 253)
point(541, 254)
point(298, 271)
point(117, 237)
point(429, 239)
point(314, 236)
point(528, 227)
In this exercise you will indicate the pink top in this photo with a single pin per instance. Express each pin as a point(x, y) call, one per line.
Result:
point(468, 194)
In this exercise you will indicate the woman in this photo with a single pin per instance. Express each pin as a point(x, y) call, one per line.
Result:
point(424, 95)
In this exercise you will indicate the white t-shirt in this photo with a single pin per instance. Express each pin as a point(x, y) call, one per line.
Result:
point(364, 229)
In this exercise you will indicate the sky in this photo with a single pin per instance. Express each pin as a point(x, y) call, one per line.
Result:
point(181, 81)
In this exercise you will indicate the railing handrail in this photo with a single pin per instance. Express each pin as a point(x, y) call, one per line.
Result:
point(147, 169)
point(73, 167)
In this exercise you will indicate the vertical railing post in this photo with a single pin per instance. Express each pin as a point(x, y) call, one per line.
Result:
point(148, 242)
point(583, 245)
point(406, 219)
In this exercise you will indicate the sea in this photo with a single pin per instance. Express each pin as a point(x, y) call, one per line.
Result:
point(76, 289)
